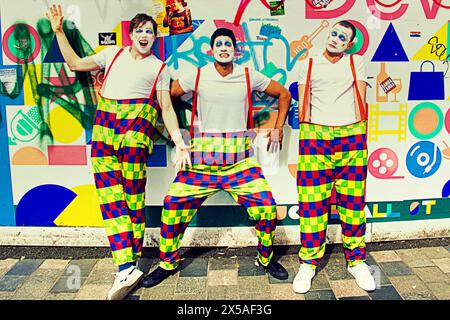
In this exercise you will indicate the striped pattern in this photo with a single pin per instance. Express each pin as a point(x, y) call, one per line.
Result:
point(332, 157)
point(122, 139)
point(243, 180)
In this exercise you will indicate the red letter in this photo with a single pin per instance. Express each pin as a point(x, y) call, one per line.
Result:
point(383, 15)
point(312, 13)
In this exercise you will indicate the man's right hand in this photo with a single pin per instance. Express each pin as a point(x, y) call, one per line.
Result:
point(56, 18)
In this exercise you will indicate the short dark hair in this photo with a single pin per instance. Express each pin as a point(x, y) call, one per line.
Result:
point(349, 25)
point(223, 32)
point(140, 19)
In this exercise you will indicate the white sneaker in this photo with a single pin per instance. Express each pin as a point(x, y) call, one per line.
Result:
point(364, 278)
point(125, 281)
point(303, 279)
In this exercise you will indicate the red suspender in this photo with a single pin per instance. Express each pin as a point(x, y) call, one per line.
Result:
point(194, 103)
point(250, 124)
point(361, 105)
point(109, 68)
point(306, 93)
point(156, 81)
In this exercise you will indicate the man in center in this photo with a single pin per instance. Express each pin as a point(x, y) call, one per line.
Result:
point(222, 158)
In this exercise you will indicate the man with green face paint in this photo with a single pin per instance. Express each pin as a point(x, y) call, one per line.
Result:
point(333, 154)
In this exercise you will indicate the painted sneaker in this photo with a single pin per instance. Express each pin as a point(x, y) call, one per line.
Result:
point(364, 278)
point(125, 281)
point(303, 279)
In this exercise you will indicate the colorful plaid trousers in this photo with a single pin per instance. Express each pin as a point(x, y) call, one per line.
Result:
point(220, 161)
point(122, 140)
point(332, 157)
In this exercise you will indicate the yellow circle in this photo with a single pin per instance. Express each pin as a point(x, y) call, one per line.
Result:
point(65, 128)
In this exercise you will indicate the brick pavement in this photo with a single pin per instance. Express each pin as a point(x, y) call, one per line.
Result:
point(403, 274)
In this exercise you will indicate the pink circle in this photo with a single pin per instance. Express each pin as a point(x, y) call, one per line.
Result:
point(34, 34)
point(447, 121)
point(383, 168)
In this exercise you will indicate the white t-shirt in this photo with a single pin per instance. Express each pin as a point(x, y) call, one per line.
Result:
point(130, 78)
point(332, 93)
point(222, 102)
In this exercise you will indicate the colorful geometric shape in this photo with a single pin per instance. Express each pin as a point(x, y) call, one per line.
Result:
point(423, 159)
point(427, 85)
point(293, 89)
point(65, 128)
point(447, 121)
point(414, 208)
point(383, 163)
point(426, 120)
point(67, 155)
point(83, 211)
point(446, 190)
point(29, 156)
point(21, 43)
point(362, 39)
point(54, 54)
point(40, 206)
point(428, 51)
point(390, 48)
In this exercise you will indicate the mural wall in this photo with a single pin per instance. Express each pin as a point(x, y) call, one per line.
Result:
point(46, 175)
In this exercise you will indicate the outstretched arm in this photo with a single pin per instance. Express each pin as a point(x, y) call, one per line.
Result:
point(74, 62)
point(276, 90)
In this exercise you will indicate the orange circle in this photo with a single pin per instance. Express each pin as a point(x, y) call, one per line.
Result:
point(426, 121)
point(29, 156)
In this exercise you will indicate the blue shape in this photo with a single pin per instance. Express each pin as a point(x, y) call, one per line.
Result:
point(54, 54)
point(158, 158)
point(423, 159)
point(40, 206)
point(415, 211)
point(293, 89)
point(390, 48)
point(7, 217)
point(446, 190)
point(426, 85)
point(293, 116)
point(173, 42)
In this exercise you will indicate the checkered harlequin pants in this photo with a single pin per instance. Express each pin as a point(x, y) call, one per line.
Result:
point(332, 156)
point(122, 139)
point(243, 180)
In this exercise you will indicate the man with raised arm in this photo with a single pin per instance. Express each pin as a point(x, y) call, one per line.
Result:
point(122, 138)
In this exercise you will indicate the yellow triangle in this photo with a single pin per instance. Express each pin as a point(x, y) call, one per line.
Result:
point(425, 52)
point(34, 74)
point(83, 211)
point(118, 31)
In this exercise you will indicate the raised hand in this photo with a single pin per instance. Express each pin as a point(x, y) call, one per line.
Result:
point(56, 18)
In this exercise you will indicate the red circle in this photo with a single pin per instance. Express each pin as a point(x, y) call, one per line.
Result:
point(37, 43)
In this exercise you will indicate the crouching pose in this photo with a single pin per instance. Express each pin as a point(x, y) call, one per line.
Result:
point(222, 157)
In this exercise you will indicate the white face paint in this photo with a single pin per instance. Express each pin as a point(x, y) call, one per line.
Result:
point(338, 39)
point(223, 49)
point(143, 38)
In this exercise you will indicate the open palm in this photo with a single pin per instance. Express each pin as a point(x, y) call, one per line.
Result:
point(56, 17)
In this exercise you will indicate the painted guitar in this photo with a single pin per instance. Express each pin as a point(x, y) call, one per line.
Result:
point(306, 42)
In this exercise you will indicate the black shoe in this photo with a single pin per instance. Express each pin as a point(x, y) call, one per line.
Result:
point(275, 269)
point(157, 276)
